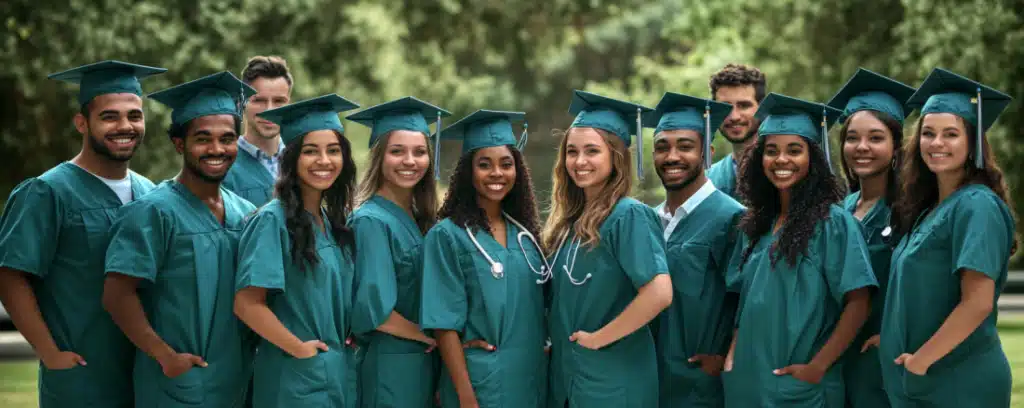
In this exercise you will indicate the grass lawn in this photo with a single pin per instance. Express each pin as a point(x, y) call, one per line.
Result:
point(18, 378)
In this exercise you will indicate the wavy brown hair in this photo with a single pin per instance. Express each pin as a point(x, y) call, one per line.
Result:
point(570, 208)
point(460, 203)
point(920, 185)
point(892, 185)
point(810, 201)
point(424, 194)
point(337, 201)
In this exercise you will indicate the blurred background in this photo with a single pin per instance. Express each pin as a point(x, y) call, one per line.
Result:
point(525, 55)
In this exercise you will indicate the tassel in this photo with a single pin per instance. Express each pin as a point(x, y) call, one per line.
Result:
point(707, 135)
point(979, 159)
point(437, 149)
point(522, 137)
point(639, 146)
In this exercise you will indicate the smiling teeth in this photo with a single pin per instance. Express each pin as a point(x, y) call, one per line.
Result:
point(863, 161)
point(673, 171)
point(322, 173)
point(123, 140)
point(495, 187)
point(215, 162)
point(583, 172)
point(938, 155)
point(406, 173)
point(783, 173)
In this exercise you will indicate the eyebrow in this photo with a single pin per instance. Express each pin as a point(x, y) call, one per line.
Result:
point(585, 146)
point(316, 145)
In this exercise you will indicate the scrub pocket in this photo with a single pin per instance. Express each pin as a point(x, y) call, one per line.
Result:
point(402, 380)
point(304, 381)
point(693, 259)
point(184, 390)
point(62, 384)
point(793, 392)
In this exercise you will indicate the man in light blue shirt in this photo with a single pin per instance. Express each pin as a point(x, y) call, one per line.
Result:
point(743, 87)
point(259, 149)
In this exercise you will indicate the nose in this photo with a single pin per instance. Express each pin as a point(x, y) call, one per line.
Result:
point(673, 155)
point(734, 114)
point(217, 148)
point(322, 158)
point(407, 160)
point(862, 145)
point(124, 125)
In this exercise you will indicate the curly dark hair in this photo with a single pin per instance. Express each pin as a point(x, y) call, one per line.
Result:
point(338, 200)
point(460, 201)
point(920, 186)
point(740, 75)
point(892, 186)
point(266, 67)
point(809, 205)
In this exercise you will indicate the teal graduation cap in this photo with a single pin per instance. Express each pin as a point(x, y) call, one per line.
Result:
point(486, 128)
point(217, 94)
point(868, 90)
point(785, 115)
point(106, 77)
point(406, 113)
point(946, 92)
point(299, 118)
point(612, 115)
point(677, 111)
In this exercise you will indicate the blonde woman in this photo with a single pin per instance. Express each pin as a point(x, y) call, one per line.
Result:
point(609, 277)
point(398, 205)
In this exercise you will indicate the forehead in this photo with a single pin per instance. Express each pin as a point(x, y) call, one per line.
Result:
point(321, 137)
point(865, 120)
point(214, 124)
point(736, 93)
point(493, 152)
point(785, 140)
point(582, 136)
point(942, 120)
point(678, 135)
point(407, 138)
point(271, 86)
point(117, 102)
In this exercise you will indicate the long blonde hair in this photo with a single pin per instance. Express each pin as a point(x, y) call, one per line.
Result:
point(424, 194)
point(569, 207)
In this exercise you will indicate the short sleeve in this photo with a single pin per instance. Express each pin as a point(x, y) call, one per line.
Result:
point(846, 262)
point(982, 235)
point(638, 244)
point(376, 283)
point(262, 250)
point(443, 300)
point(30, 228)
point(138, 243)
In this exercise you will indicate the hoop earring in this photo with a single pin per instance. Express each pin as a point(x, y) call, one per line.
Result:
point(894, 164)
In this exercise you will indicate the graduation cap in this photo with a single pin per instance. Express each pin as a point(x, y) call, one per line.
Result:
point(487, 128)
point(867, 90)
point(945, 92)
point(612, 115)
point(785, 115)
point(407, 113)
point(299, 118)
point(218, 94)
point(106, 77)
point(677, 111)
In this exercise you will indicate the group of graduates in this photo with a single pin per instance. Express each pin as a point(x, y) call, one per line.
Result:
point(264, 275)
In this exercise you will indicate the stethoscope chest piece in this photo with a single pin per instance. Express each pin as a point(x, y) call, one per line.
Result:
point(498, 270)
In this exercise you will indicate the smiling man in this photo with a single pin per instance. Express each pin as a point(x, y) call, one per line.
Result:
point(743, 87)
point(259, 149)
point(171, 260)
point(692, 336)
point(52, 235)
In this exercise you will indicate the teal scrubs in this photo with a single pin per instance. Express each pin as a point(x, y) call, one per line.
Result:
point(971, 229)
point(249, 179)
point(54, 228)
point(312, 304)
point(863, 374)
point(394, 372)
point(631, 254)
point(787, 314)
point(700, 319)
point(460, 293)
point(187, 261)
point(723, 175)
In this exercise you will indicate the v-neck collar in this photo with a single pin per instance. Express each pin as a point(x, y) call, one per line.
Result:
point(510, 232)
point(97, 184)
point(201, 207)
point(398, 213)
point(872, 213)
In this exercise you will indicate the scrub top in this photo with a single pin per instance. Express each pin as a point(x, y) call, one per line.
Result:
point(700, 319)
point(313, 304)
point(630, 254)
point(187, 261)
point(249, 179)
point(723, 175)
point(394, 372)
point(788, 312)
point(461, 293)
point(55, 228)
point(971, 229)
point(863, 374)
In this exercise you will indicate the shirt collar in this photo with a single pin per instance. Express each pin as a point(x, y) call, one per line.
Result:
point(256, 152)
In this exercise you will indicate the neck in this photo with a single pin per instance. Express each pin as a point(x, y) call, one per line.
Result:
point(873, 188)
point(311, 200)
point(675, 198)
point(201, 188)
point(591, 193)
point(400, 196)
point(101, 166)
point(268, 146)
point(738, 148)
point(948, 183)
point(784, 200)
point(491, 208)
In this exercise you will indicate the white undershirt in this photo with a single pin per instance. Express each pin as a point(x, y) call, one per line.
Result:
point(670, 221)
point(123, 187)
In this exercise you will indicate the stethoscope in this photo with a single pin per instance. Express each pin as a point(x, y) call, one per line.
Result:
point(498, 270)
point(570, 258)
